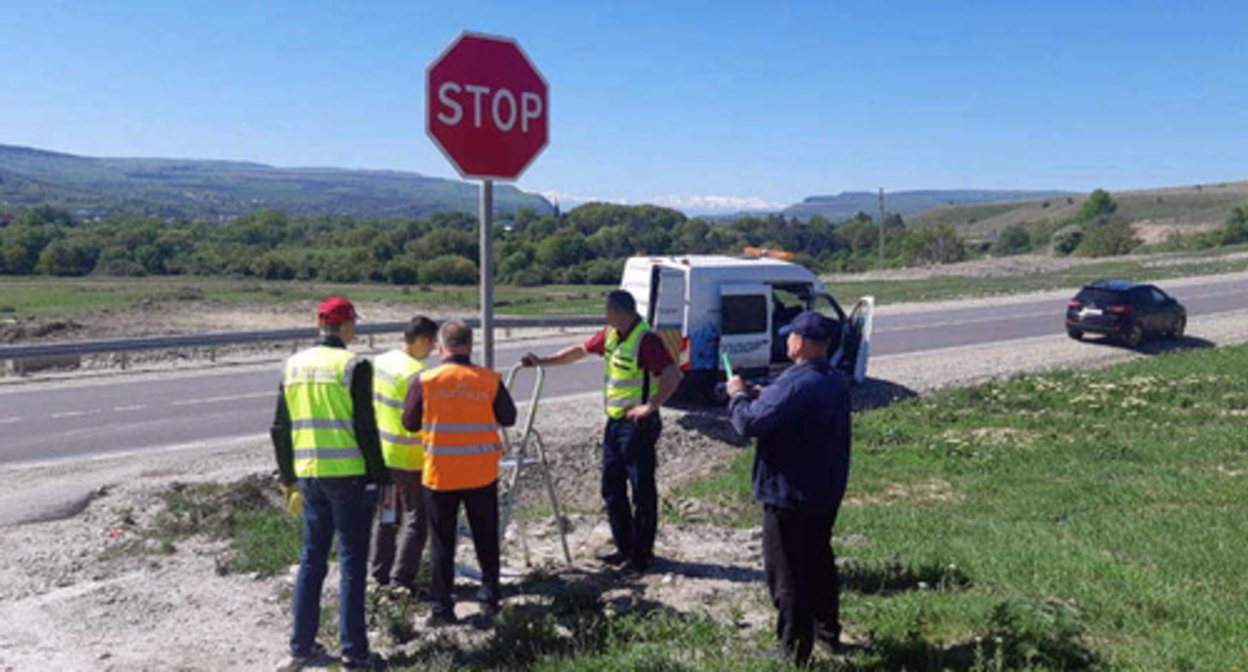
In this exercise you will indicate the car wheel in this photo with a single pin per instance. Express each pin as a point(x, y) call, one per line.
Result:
point(1077, 335)
point(1134, 336)
point(1180, 328)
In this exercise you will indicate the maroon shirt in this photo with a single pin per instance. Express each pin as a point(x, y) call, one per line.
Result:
point(653, 355)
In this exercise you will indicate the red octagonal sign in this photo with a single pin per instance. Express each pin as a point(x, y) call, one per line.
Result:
point(487, 107)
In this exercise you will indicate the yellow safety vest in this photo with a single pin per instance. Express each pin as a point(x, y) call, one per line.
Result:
point(393, 374)
point(624, 379)
point(317, 385)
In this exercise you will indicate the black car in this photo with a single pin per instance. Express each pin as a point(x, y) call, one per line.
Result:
point(1127, 311)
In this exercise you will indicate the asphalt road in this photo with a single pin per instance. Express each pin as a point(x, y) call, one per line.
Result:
point(48, 422)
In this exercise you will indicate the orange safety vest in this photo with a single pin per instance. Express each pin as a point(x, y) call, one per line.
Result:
point(458, 428)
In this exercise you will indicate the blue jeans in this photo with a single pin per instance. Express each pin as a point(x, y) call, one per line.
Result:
point(628, 459)
point(342, 506)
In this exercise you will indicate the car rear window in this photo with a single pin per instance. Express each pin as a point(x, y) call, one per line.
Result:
point(1099, 297)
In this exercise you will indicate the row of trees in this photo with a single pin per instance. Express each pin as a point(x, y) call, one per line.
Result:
point(587, 245)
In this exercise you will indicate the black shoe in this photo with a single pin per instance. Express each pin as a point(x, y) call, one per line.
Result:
point(441, 618)
point(373, 662)
point(614, 558)
point(636, 567)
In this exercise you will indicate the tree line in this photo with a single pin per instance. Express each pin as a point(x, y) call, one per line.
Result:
point(587, 245)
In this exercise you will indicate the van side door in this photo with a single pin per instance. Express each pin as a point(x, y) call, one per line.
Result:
point(745, 325)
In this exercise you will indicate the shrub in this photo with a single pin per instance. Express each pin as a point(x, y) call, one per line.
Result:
point(1235, 231)
point(1015, 239)
point(448, 270)
point(402, 272)
point(1067, 239)
point(936, 245)
point(1108, 240)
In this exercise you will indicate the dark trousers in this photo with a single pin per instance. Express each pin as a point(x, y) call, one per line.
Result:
point(333, 506)
point(801, 575)
point(628, 459)
point(481, 505)
point(396, 558)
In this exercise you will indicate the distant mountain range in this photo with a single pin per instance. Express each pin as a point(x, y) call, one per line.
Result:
point(220, 190)
point(849, 203)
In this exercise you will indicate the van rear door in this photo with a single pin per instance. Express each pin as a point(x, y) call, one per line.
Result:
point(664, 308)
point(745, 325)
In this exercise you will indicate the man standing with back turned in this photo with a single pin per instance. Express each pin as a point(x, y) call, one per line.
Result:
point(405, 458)
point(640, 377)
point(325, 437)
point(801, 464)
point(458, 408)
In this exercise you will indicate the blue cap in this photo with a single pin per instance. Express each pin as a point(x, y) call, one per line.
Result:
point(812, 325)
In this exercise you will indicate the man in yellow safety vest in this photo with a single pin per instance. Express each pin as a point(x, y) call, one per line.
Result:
point(640, 377)
point(403, 503)
point(325, 438)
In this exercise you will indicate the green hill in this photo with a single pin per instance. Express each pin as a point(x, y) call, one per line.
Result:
point(221, 190)
point(906, 203)
point(1192, 207)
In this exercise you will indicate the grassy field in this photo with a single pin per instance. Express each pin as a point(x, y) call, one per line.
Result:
point(60, 297)
point(1064, 520)
point(941, 288)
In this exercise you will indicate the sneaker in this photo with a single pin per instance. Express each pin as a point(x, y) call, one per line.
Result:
point(636, 567)
point(318, 656)
point(373, 662)
point(614, 558)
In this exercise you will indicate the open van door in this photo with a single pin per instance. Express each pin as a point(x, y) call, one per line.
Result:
point(745, 325)
point(851, 358)
point(664, 308)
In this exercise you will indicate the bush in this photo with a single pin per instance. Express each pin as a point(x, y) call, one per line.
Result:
point(936, 245)
point(1067, 239)
point(1015, 239)
point(402, 272)
point(526, 278)
point(1043, 634)
point(604, 272)
point(1108, 240)
point(273, 266)
point(448, 270)
point(1098, 206)
point(1235, 231)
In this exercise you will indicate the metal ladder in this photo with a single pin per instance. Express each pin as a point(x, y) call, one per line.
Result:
point(510, 468)
point(516, 457)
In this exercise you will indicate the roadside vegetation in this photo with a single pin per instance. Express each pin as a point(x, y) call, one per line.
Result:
point(1100, 517)
point(1072, 520)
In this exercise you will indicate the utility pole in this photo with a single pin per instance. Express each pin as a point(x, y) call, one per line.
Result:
point(881, 226)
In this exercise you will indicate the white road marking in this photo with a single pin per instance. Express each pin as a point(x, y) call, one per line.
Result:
point(958, 323)
point(72, 414)
point(9, 421)
point(128, 409)
point(218, 400)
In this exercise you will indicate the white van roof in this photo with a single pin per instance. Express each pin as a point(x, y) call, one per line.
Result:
point(774, 269)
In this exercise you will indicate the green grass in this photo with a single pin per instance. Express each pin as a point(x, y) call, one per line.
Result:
point(943, 288)
point(67, 298)
point(1079, 517)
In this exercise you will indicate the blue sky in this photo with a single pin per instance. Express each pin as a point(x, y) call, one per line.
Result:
point(690, 104)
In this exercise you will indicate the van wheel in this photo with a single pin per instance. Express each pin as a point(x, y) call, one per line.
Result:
point(1077, 335)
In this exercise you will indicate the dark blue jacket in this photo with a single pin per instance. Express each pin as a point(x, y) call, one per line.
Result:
point(802, 423)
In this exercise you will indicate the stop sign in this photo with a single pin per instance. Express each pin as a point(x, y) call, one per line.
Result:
point(487, 107)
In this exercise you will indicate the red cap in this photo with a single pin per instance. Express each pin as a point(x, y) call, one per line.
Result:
point(336, 310)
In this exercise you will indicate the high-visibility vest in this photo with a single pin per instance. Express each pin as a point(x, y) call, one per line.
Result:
point(625, 379)
point(393, 374)
point(317, 385)
point(460, 433)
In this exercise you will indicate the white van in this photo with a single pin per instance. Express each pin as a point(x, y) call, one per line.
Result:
point(705, 306)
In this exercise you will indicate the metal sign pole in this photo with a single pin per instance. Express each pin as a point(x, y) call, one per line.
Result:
point(487, 272)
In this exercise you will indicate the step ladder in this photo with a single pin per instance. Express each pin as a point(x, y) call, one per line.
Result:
point(519, 454)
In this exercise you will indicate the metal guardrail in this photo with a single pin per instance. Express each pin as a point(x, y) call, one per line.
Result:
point(123, 345)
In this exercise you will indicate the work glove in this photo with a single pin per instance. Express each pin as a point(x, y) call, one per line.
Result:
point(294, 499)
